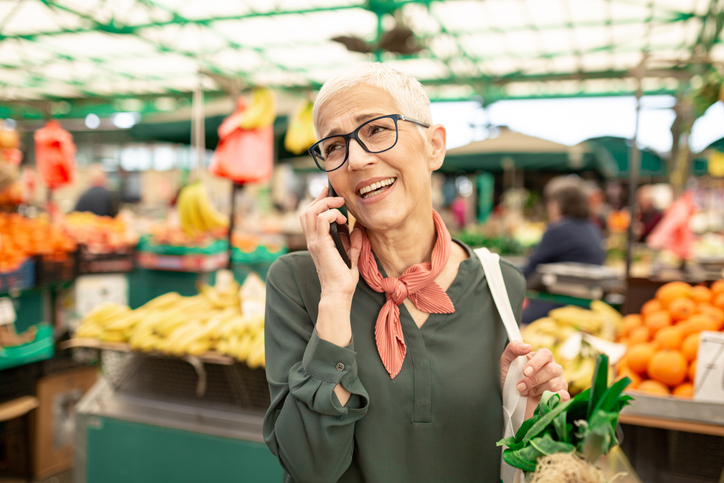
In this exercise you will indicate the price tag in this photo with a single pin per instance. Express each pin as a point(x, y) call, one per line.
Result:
point(7, 311)
point(709, 384)
point(93, 290)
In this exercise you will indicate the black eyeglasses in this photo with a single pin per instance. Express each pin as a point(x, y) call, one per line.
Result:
point(375, 136)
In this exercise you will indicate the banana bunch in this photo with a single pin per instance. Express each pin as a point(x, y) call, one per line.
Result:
point(261, 111)
point(300, 134)
point(176, 325)
point(553, 331)
point(244, 340)
point(196, 213)
point(222, 296)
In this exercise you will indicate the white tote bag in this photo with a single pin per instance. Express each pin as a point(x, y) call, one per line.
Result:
point(513, 403)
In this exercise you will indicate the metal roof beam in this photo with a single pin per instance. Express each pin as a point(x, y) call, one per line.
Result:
point(177, 20)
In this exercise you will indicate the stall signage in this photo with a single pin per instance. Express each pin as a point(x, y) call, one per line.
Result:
point(709, 384)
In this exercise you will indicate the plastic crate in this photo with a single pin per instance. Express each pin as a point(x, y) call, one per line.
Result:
point(122, 260)
point(43, 347)
point(54, 268)
point(21, 279)
point(183, 263)
point(260, 255)
point(18, 382)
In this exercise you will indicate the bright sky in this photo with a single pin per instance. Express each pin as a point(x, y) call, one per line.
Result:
point(570, 121)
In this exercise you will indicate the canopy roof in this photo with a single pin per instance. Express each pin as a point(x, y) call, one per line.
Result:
point(133, 52)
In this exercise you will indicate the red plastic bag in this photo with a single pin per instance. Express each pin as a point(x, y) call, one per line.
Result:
point(243, 155)
point(673, 232)
point(54, 155)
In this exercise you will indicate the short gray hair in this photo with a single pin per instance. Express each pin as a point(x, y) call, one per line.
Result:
point(407, 91)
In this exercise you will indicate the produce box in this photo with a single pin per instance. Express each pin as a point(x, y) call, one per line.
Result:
point(55, 419)
point(121, 260)
point(43, 347)
point(21, 279)
point(147, 245)
point(55, 267)
point(183, 263)
point(260, 255)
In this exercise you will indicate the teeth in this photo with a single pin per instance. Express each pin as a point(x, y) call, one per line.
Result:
point(376, 186)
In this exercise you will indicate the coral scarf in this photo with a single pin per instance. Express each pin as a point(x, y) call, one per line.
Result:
point(417, 284)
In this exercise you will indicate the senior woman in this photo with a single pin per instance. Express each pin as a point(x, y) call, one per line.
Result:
point(388, 371)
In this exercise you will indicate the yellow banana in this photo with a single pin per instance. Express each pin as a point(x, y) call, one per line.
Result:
point(211, 218)
point(162, 301)
point(183, 206)
point(112, 336)
point(261, 111)
point(197, 220)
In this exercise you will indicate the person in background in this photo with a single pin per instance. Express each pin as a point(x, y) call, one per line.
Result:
point(648, 216)
point(570, 237)
point(98, 199)
point(597, 205)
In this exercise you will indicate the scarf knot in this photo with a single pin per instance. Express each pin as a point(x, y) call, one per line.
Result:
point(417, 283)
point(395, 289)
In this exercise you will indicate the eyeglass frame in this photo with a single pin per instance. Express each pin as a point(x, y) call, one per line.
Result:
point(354, 135)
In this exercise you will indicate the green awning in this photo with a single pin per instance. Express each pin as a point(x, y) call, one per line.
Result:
point(617, 150)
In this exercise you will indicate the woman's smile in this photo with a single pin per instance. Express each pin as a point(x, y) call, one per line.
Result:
point(377, 190)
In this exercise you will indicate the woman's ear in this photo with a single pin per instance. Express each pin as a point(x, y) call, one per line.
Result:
point(437, 136)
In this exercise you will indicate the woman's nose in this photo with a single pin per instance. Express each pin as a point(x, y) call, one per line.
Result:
point(358, 156)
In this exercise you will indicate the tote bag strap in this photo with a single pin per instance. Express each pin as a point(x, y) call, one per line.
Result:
point(513, 403)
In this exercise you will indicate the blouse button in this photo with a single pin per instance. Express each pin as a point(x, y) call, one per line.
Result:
point(340, 366)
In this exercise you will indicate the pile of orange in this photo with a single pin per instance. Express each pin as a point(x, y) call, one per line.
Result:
point(21, 238)
point(663, 339)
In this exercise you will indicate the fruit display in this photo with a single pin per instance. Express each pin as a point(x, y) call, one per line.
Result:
point(601, 321)
point(99, 233)
point(197, 214)
point(174, 325)
point(22, 237)
point(663, 338)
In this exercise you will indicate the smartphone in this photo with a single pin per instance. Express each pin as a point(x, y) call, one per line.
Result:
point(334, 231)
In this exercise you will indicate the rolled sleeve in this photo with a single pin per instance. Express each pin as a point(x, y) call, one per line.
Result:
point(323, 366)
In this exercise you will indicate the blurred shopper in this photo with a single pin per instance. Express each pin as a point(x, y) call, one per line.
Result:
point(571, 236)
point(648, 216)
point(98, 199)
point(597, 205)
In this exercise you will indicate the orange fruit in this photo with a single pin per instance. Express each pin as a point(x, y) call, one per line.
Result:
point(698, 323)
point(668, 367)
point(653, 387)
point(657, 321)
point(690, 346)
point(692, 371)
point(682, 308)
point(630, 322)
point(650, 306)
point(638, 357)
point(670, 338)
point(716, 313)
point(639, 335)
point(627, 372)
point(700, 294)
point(718, 301)
point(716, 288)
point(672, 290)
point(685, 389)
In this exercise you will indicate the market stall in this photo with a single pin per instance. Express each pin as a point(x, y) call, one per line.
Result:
point(148, 325)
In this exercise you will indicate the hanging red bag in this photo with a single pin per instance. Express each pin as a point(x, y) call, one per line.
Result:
point(243, 155)
point(54, 155)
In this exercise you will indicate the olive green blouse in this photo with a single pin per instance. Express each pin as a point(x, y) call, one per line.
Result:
point(437, 421)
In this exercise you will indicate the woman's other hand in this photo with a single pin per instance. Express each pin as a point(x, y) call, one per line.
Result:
point(335, 278)
point(541, 372)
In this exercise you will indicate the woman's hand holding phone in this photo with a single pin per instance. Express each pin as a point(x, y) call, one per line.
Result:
point(336, 279)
